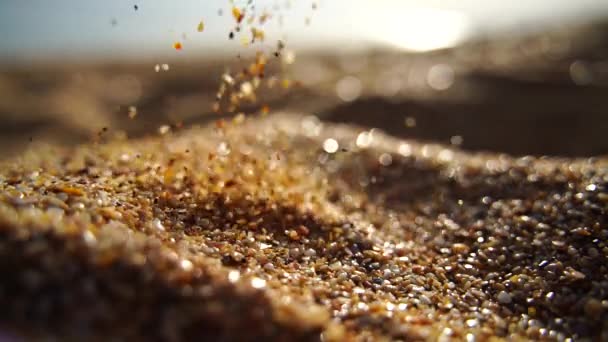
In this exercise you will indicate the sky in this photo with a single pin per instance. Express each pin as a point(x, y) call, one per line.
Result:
point(43, 29)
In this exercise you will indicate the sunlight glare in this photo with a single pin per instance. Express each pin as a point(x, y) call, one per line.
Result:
point(420, 29)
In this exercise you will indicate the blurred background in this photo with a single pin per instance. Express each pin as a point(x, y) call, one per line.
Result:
point(488, 75)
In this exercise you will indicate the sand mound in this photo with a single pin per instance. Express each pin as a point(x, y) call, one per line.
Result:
point(286, 228)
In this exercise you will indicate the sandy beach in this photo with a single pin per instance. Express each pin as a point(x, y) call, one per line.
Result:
point(290, 228)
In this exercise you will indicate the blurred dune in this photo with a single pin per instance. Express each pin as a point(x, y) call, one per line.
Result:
point(539, 94)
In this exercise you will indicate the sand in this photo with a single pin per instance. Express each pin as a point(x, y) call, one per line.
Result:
point(287, 228)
